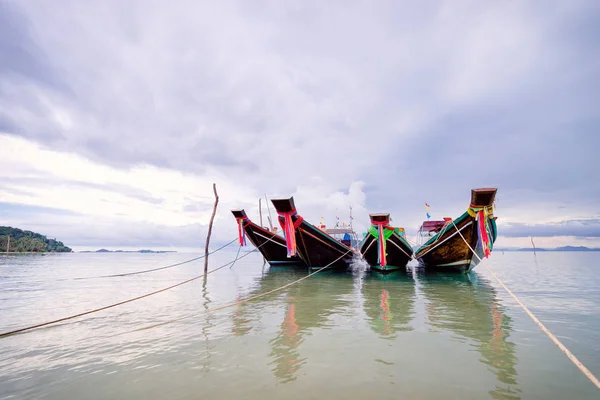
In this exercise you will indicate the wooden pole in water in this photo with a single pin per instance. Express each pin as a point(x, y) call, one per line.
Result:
point(533, 245)
point(8, 245)
point(210, 228)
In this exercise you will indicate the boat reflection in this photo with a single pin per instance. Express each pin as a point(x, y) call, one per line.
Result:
point(467, 306)
point(286, 360)
point(242, 323)
point(308, 306)
point(389, 302)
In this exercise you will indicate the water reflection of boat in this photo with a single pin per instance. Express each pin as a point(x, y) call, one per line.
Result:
point(467, 306)
point(308, 305)
point(389, 302)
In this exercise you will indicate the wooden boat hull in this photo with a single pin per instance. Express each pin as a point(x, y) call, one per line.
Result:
point(398, 251)
point(271, 245)
point(316, 248)
point(448, 251)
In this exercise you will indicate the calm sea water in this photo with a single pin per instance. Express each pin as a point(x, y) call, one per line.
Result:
point(349, 336)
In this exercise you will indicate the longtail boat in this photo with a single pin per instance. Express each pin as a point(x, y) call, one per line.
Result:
point(447, 250)
point(270, 244)
point(384, 247)
point(314, 246)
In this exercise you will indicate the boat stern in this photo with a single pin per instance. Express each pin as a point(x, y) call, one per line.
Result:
point(483, 197)
point(284, 205)
point(239, 213)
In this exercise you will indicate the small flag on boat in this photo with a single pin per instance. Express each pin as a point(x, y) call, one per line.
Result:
point(427, 206)
point(428, 216)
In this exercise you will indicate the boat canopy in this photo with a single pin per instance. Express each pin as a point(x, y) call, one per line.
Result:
point(433, 226)
point(339, 231)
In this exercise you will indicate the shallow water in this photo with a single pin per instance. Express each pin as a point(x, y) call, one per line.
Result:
point(352, 336)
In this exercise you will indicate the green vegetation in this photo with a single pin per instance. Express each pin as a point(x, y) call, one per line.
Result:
point(27, 241)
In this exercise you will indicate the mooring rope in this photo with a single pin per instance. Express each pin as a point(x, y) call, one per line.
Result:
point(153, 269)
point(557, 342)
point(238, 302)
point(236, 257)
point(4, 334)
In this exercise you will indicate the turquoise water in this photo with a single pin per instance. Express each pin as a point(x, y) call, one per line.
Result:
point(349, 336)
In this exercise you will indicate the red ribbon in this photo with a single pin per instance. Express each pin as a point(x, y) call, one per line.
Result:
point(381, 241)
point(241, 231)
point(483, 234)
point(289, 230)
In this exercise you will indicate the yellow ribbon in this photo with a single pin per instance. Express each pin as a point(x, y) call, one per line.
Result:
point(489, 211)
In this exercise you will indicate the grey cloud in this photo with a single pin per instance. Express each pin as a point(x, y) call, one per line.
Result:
point(110, 233)
point(579, 228)
point(20, 56)
point(420, 102)
point(52, 181)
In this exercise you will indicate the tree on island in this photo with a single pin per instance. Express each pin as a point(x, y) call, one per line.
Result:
point(26, 241)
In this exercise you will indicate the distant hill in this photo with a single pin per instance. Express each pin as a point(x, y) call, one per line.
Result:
point(575, 248)
point(128, 251)
point(26, 241)
point(563, 248)
point(531, 249)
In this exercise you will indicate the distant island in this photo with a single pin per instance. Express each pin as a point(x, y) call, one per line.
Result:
point(128, 251)
point(16, 240)
point(563, 248)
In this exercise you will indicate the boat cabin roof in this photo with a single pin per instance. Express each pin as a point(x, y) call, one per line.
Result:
point(340, 231)
point(432, 226)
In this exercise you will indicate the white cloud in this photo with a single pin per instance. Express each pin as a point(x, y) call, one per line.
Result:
point(107, 200)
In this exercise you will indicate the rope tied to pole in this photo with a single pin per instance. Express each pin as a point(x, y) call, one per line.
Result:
point(156, 269)
point(238, 302)
point(557, 342)
point(9, 333)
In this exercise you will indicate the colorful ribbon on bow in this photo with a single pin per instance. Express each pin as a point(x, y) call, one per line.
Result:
point(241, 231)
point(482, 216)
point(289, 230)
point(381, 242)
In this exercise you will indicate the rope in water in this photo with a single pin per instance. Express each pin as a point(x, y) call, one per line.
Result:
point(235, 303)
point(4, 334)
point(156, 269)
point(557, 342)
point(236, 257)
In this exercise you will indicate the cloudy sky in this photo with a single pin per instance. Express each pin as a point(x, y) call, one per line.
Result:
point(116, 117)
